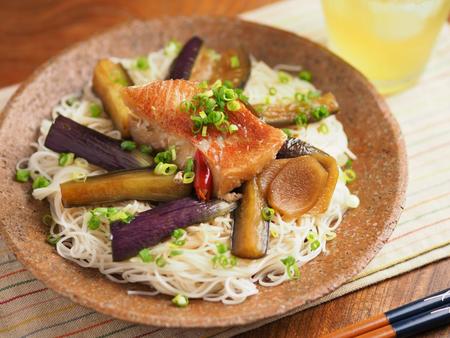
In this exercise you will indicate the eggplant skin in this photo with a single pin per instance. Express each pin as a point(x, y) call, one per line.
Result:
point(295, 147)
point(153, 226)
point(250, 237)
point(283, 115)
point(67, 136)
point(108, 80)
point(182, 65)
point(140, 184)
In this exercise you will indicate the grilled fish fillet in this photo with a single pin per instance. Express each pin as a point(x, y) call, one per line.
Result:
point(232, 158)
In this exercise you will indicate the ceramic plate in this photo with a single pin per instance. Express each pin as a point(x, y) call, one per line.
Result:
point(373, 133)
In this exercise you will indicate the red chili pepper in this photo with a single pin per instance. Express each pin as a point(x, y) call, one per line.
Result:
point(203, 181)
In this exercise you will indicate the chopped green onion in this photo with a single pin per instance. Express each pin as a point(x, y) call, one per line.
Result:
point(164, 156)
point(122, 216)
point(349, 163)
point(233, 128)
point(292, 269)
point(311, 236)
point(178, 233)
point(142, 63)
point(95, 109)
point(216, 117)
point(233, 105)
point(228, 84)
point(52, 239)
point(180, 300)
point(128, 145)
point(284, 77)
point(299, 97)
point(179, 242)
point(66, 159)
point(349, 175)
point(272, 91)
point(186, 106)
point(203, 115)
point(173, 253)
point(301, 120)
point(313, 94)
point(204, 131)
point(94, 222)
point(160, 261)
point(146, 256)
point(267, 213)
point(315, 245)
point(172, 48)
point(320, 113)
point(288, 132)
point(22, 175)
point(274, 233)
point(305, 75)
point(165, 169)
point(221, 248)
point(188, 177)
point(323, 128)
point(145, 149)
point(189, 166)
point(229, 94)
point(234, 62)
point(203, 84)
point(173, 153)
point(40, 182)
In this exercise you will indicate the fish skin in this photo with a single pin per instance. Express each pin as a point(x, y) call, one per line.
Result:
point(232, 158)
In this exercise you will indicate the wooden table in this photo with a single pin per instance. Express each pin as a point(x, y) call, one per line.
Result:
point(32, 31)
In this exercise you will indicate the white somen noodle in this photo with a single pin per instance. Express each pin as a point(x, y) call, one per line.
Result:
point(191, 273)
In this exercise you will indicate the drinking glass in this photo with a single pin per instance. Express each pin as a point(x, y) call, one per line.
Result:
point(388, 40)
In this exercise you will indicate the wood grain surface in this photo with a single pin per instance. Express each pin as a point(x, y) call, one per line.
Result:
point(33, 31)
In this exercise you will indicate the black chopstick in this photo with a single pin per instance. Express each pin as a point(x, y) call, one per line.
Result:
point(420, 307)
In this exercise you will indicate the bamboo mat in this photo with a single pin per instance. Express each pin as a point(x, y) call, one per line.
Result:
point(422, 236)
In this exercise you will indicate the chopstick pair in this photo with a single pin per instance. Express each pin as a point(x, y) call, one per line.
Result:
point(407, 320)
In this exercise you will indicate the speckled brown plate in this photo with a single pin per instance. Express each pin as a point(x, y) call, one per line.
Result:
point(373, 133)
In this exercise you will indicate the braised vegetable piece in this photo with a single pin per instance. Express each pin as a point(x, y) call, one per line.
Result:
point(284, 115)
point(295, 147)
point(233, 65)
point(68, 136)
point(182, 65)
point(268, 174)
point(297, 187)
point(330, 165)
point(250, 236)
point(203, 180)
point(152, 226)
point(140, 184)
point(108, 81)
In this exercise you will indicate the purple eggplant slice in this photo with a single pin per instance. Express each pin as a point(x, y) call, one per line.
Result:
point(283, 115)
point(250, 237)
point(138, 184)
point(152, 226)
point(67, 136)
point(182, 65)
point(233, 65)
point(295, 147)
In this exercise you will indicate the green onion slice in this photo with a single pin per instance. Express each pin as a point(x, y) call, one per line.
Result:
point(22, 175)
point(267, 213)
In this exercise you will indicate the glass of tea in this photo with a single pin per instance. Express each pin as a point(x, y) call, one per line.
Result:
point(388, 40)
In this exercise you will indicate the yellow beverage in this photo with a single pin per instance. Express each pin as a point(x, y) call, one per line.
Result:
point(388, 40)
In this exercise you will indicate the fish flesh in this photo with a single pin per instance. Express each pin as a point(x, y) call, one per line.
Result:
point(233, 158)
